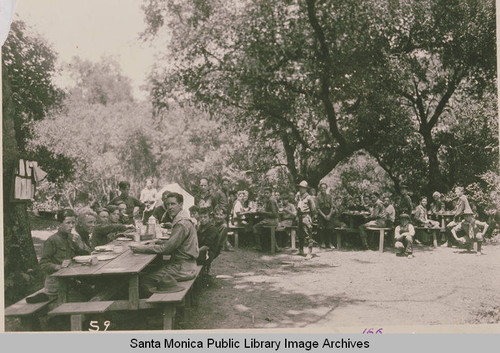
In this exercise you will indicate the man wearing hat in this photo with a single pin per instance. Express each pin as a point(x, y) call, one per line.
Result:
point(305, 209)
point(469, 229)
point(403, 234)
point(437, 204)
point(182, 246)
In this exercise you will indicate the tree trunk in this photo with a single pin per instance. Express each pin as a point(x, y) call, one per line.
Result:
point(21, 270)
point(435, 179)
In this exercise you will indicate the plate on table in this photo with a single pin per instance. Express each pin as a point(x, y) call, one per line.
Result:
point(124, 239)
point(83, 259)
point(105, 257)
point(104, 248)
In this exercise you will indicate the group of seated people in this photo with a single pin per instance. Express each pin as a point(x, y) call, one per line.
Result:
point(464, 228)
point(199, 235)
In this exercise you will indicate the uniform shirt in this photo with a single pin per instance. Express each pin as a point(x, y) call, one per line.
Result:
point(324, 203)
point(183, 242)
point(462, 203)
point(406, 206)
point(470, 229)
point(390, 213)
point(161, 214)
point(305, 203)
point(104, 233)
point(57, 248)
point(131, 203)
point(421, 214)
point(400, 230)
point(204, 200)
point(437, 206)
point(271, 206)
point(148, 196)
point(378, 211)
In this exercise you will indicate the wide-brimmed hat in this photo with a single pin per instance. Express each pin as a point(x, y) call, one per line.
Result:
point(404, 216)
point(168, 284)
point(303, 184)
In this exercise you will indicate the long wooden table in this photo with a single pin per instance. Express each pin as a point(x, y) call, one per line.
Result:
point(126, 264)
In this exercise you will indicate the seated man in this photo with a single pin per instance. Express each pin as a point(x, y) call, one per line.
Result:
point(58, 250)
point(182, 246)
point(390, 212)
point(194, 212)
point(288, 211)
point(469, 229)
point(85, 224)
point(133, 207)
point(437, 204)
point(421, 219)
point(160, 212)
point(403, 234)
point(269, 216)
point(219, 222)
point(208, 238)
point(377, 218)
point(109, 227)
point(124, 217)
point(238, 207)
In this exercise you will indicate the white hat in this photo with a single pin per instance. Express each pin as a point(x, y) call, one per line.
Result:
point(303, 184)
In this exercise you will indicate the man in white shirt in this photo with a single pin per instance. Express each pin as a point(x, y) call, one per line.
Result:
point(148, 197)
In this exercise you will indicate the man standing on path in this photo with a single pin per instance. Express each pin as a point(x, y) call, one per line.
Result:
point(305, 210)
point(325, 208)
point(182, 246)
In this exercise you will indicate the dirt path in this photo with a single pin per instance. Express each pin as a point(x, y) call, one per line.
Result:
point(350, 288)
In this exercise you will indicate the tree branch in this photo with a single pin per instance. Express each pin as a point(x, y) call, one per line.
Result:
point(452, 85)
point(326, 63)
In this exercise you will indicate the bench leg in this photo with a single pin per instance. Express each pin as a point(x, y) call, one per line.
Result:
point(77, 322)
point(133, 292)
point(273, 240)
point(168, 317)
point(434, 238)
point(236, 239)
point(381, 241)
point(293, 234)
point(62, 294)
point(339, 240)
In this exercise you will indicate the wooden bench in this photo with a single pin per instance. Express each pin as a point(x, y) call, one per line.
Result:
point(28, 313)
point(77, 311)
point(272, 229)
point(381, 238)
point(434, 231)
point(339, 232)
point(170, 301)
point(235, 230)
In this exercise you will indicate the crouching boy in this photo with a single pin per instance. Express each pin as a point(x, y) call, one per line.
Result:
point(469, 229)
point(403, 234)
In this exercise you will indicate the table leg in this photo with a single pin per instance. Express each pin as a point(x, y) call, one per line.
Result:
point(442, 222)
point(434, 238)
point(293, 234)
point(62, 296)
point(381, 241)
point(77, 322)
point(168, 317)
point(273, 240)
point(235, 239)
point(339, 240)
point(133, 292)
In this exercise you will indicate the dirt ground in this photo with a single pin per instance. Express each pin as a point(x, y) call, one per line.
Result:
point(340, 288)
point(443, 286)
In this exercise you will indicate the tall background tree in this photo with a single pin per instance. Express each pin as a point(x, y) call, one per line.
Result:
point(324, 79)
point(28, 94)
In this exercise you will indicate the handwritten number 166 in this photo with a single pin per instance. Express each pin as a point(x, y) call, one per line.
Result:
point(371, 330)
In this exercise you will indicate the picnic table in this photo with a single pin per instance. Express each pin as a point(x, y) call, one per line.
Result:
point(444, 217)
point(124, 268)
point(355, 218)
